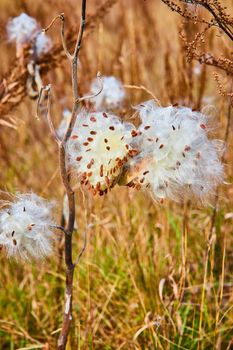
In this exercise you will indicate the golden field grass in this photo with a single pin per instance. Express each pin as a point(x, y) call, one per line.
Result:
point(153, 276)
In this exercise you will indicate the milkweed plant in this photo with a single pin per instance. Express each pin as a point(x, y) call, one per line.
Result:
point(169, 155)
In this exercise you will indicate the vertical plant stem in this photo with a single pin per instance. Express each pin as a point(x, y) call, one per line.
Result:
point(67, 316)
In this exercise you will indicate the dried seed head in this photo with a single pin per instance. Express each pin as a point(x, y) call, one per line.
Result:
point(184, 163)
point(109, 139)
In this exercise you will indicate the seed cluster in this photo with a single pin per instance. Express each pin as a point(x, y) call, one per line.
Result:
point(169, 154)
point(99, 147)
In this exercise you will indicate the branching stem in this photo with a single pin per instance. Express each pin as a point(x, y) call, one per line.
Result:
point(68, 231)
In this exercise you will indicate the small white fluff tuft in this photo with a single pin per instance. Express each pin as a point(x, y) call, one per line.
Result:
point(25, 228)
point(98, 148)
point(176, 159)
point(111, 96)
point(43, 44)
point(22, 30)
point(61, 130)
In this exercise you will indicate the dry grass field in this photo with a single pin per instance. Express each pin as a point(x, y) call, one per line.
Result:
point(153, 276)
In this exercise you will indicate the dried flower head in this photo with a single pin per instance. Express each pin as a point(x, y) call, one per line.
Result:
point(111, 96)
point(25, 228)
point(98, 148)
point(176, 158)
point(22, 29)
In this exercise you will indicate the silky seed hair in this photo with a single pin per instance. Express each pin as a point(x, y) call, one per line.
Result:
point(23, 30)
point(112, 94)
point(25, 228)
point(176, 159)
point(43, 44)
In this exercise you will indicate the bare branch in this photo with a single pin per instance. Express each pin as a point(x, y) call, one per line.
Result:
point(44, 30)
point(77, 49)
point(88, 97)
point(62, 19)
point(63, 40)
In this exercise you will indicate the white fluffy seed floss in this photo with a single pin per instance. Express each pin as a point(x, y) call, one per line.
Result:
point(176, 158)
point(23, 30)
point(112, 95)
point(25, 228)
point(98, 149)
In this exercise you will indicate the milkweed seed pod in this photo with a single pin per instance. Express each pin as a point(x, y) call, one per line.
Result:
point(25, 227)
point(176, 159)
point(98, 148)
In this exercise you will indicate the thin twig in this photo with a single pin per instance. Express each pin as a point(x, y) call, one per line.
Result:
point(141, 87)
point(89, 97)
point(63, 40)
point(77, 49)
point(52, 22)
